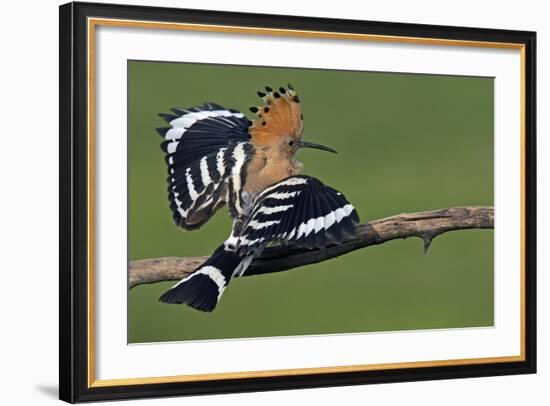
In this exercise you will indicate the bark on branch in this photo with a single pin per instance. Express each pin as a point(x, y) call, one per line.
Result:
point(426, 225)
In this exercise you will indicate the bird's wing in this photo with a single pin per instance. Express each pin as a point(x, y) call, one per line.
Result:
point(299, 210)
point(205, 149)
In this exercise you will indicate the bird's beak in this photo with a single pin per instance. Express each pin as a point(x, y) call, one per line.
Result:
point(307, 144)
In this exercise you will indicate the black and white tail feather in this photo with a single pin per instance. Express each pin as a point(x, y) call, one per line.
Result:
point(204, 287)
point(299, 210)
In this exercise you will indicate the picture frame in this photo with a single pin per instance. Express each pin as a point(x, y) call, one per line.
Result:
point(80, 164)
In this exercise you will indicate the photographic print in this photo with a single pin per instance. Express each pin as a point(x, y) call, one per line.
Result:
point(247, 161)
point(257, 202)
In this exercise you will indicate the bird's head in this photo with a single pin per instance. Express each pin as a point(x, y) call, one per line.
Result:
point(279, 123)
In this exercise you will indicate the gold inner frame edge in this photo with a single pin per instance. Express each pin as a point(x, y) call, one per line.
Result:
point(92, 23)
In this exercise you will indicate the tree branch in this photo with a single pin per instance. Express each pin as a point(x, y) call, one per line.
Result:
point(426, 225)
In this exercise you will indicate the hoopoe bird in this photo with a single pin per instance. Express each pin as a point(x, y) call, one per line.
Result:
point(217, 157)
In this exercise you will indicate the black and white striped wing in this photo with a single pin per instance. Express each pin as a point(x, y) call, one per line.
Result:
point(205, 147)
point(299, 210)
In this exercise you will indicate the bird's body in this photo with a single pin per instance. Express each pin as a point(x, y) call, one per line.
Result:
point(217, 157)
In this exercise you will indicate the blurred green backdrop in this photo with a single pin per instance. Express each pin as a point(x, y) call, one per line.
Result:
point(406, 143)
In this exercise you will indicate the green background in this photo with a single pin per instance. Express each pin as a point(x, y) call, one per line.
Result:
point(406, 143)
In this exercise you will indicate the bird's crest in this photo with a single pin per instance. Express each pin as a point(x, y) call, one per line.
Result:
point(281, 115)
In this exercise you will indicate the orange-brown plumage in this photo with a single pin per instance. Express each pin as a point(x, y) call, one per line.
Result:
point(279, 117)
point(275, 133)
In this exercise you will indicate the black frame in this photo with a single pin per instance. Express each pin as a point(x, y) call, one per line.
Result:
point(73, 289)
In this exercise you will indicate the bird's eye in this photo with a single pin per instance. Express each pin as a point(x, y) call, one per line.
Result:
point(291, 143)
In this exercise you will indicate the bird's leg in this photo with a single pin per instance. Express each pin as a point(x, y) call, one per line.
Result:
point(243, 266)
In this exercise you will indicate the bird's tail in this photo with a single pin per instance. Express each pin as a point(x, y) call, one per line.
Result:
point(203, 288)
